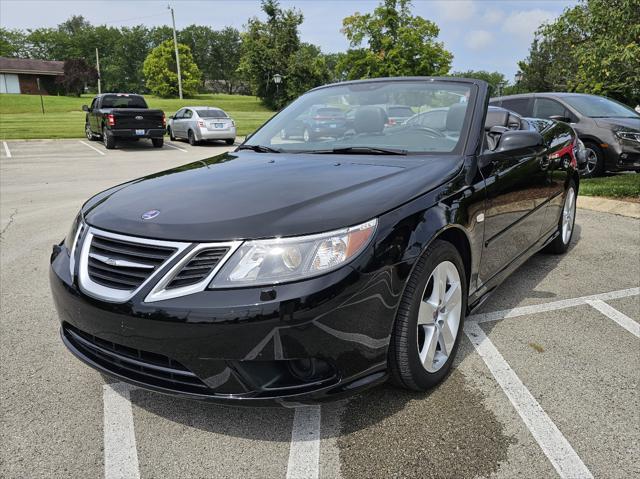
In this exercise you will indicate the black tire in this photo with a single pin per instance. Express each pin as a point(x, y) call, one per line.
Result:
point(561, 243)
point(230, 141)
point(192, 138)
point(171, 137)
point(405, 365)
point(157, 142)
point(108, 139)
point(599, 168)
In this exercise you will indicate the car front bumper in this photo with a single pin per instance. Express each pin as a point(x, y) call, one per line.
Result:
point(319, 339)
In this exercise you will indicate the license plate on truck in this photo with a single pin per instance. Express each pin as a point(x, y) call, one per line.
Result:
point(139, 132)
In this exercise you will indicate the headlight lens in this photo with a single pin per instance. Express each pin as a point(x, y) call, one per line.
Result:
point(290, 259)
point(629, 135)
point(72, 235)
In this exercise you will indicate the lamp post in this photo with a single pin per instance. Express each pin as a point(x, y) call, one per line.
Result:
point(277, 79)
point(518, 78)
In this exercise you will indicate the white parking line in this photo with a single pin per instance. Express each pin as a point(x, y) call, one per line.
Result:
point(120, 453)
point(555, 446)
point(562, 304)
point(176, 147)
point(92, 147)
point(623, 320)
point(304, 453)
point(6, 149)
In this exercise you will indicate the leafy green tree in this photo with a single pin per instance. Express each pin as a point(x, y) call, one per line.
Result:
point(13, 43)
point(267, 48)
point(160, 71)
point(593, 47)
point(307, 69)
point(393, 42)
point(217, 53)
point(121, 64)
point(495, 79)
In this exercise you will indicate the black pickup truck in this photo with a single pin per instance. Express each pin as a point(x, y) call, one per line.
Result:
point(125, 116)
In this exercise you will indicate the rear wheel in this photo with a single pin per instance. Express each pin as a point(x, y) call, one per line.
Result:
point(192, 138)
point(157, 142)
point(595, 161)
point(566, 223)
point(230, 141)
point(430, 319)
point(108, 139)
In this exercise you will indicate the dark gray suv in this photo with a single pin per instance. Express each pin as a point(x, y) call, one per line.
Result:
point(609, 129)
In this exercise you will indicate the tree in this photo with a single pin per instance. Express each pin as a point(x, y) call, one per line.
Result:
point(593, 48)
point(267, 48)
point(12, 43)
point(161, 73)
point(392, 42)
point(77, 74)
point(307, 69)
point(495, 79)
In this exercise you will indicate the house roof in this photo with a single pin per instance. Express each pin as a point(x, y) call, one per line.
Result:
point(31, 66)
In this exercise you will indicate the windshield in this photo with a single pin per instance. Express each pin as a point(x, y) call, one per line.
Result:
point(366, 116)
point(211, 114)
point(600, 107)
point(123, 101)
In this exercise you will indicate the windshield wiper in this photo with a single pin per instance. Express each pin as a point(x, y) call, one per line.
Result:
point(259, 148)
point(359, 150)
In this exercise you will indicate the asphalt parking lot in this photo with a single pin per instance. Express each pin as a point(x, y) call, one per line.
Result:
point(546, 381)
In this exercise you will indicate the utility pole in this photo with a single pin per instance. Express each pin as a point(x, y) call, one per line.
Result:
point(98, 70)
point(175, 44)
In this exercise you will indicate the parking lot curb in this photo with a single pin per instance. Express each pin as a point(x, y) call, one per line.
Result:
point(606, 205)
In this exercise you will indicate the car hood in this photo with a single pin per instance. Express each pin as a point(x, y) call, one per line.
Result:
point(249, 195)
point(619, 123)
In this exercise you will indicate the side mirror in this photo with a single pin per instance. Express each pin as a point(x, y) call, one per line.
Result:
point(519, 140)
point(170, 117)
point(566, 119)
point(85, 108)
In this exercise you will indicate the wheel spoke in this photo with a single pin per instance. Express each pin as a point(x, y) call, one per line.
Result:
point(446, 338)
point(439, 283)
point(428, 352)
point(426, 312)
point(453, 296)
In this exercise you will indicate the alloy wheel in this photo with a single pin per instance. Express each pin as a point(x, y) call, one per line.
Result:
point(439, 316)
point(592, 162)
point(87, 132)
point(568, 215)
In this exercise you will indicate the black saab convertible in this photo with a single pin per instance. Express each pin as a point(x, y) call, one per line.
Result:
point(303, 268)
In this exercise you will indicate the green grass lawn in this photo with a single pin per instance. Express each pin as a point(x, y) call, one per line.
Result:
point(22, 118)
point(617, 186)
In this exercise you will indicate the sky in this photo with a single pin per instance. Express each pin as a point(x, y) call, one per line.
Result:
point(488, 35)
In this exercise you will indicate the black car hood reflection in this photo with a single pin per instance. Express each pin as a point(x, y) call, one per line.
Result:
point(246, 195)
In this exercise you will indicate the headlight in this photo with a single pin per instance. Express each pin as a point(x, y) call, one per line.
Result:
point(629, 135)
point(290, 259)
point(72, 235)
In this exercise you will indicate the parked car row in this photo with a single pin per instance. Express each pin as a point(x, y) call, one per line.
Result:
point(114, 117)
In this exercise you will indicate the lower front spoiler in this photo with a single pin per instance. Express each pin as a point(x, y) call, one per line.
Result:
point(372, 377)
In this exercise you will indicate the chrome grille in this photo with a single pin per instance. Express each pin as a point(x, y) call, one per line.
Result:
point(124, 265)
point(198, 267)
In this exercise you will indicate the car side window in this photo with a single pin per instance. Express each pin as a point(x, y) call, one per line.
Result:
point(187, 114)
point(546, 108)
point(93, 104)
point(521, 106)
point(178, 115)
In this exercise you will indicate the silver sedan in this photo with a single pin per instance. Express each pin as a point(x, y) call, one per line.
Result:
point(202, 123)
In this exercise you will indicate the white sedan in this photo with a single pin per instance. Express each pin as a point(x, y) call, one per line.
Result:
point(201, 123)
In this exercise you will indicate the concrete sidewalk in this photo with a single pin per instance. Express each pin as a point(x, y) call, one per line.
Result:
point(606, 205)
